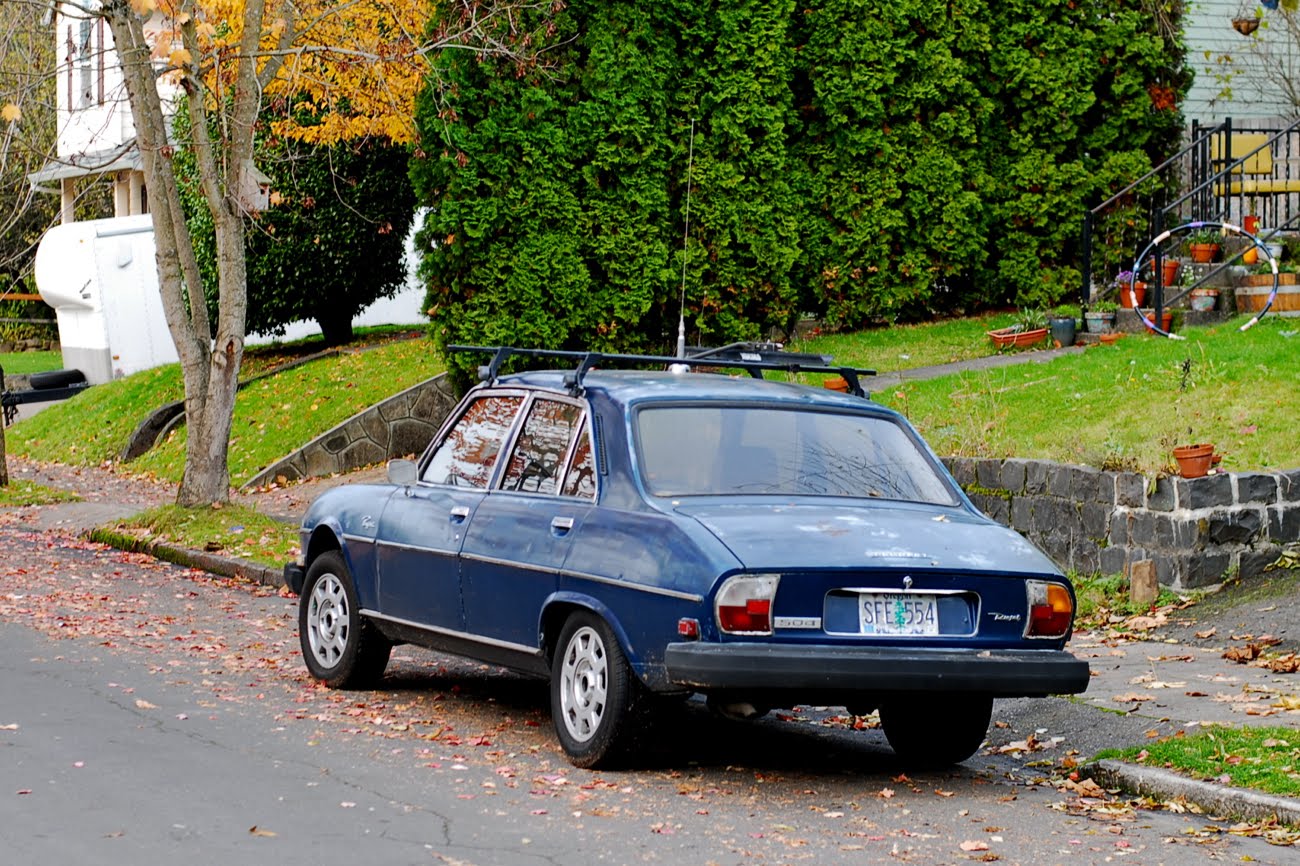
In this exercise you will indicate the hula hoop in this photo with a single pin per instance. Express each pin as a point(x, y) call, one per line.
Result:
point(1190, 227)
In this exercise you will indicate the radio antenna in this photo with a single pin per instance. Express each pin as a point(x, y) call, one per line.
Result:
point(681, 313)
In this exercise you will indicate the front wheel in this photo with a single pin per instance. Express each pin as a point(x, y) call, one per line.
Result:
point(592, 692)
point(935, 730)
point(341, 648)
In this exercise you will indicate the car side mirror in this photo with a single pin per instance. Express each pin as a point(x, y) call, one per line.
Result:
point(402, 472)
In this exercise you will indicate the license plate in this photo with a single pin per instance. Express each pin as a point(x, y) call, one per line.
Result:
point(898, 613)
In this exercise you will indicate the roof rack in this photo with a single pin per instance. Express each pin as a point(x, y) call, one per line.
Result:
point(753, 358)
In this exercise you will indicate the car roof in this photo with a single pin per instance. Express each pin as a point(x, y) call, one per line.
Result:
point(633, 386)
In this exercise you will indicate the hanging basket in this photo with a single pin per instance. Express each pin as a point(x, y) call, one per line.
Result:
point(1245, 26)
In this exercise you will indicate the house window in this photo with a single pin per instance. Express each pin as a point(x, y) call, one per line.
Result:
point(85, 46)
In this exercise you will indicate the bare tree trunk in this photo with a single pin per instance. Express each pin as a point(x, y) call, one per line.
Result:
point(210, 374)
point(210, 363)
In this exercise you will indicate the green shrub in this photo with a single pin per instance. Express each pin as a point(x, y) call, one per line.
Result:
point(929, 164)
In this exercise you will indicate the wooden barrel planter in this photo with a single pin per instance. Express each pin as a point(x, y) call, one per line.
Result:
point(1252, 295)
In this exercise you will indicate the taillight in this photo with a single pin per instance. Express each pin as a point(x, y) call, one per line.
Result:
point(744, 603)
point(1051, 610)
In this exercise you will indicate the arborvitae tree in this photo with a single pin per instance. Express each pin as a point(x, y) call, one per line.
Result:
point(865, 161)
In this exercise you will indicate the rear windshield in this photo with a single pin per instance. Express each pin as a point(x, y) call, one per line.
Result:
point(720, 450)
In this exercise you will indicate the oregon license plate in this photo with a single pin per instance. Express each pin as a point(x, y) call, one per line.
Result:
point(898, 613)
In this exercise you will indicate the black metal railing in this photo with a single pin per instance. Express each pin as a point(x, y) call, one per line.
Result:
point(1225, 173)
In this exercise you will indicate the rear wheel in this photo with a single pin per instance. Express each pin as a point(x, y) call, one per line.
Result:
point(935, 730)
point(592, 693)
point(341, 648)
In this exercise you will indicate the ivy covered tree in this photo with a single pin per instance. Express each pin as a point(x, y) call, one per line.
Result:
point(331, 244)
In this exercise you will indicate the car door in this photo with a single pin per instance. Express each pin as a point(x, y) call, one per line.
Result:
point(422, 529)
point(523, 529)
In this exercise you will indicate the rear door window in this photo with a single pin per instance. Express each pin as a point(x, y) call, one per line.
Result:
point(541, 452)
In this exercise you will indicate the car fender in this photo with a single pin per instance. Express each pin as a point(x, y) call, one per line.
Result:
point(644, 656)
point(328, 535)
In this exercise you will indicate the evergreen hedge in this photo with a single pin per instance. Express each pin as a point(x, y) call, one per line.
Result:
point(863, 161)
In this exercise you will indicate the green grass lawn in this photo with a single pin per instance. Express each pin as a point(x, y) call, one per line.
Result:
point(904, 347)
point(273, 416)
point(1126, 405)
point(16, 363)
point(1267, 759)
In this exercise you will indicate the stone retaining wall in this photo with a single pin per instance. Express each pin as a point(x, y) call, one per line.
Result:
point(402, 424)
point(1196, 530)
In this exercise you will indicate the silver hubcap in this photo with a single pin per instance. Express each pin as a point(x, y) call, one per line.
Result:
point(584, 681)
point(327, 620)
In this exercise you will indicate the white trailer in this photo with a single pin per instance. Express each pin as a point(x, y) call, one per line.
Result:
point(101, 278)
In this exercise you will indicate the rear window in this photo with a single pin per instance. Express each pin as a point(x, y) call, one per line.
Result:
point(720, 450)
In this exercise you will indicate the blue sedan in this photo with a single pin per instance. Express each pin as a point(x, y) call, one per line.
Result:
point(630, 534)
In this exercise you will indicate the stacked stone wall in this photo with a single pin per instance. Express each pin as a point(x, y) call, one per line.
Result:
point(1197, 531)
point(401, 425)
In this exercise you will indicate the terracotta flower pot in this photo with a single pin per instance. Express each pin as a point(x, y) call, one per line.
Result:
point(1130, 299)
point(1203, 253)
point(1168, 270)
point(1194, 461)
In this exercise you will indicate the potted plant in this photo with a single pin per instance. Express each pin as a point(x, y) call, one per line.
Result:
point(1030, 328)
point(1262, 275)
point(1256, 286)
point(1132, 291)
point(1063, 322)
point(1169, 267)
point(1204, 299)
point(1203, 245)
point(1100, 317)
point(1194, 461)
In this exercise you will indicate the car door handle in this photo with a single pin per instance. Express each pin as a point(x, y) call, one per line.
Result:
point(561, 525)
point(459, 514)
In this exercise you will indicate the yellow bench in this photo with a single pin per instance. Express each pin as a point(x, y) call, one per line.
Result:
point(1256, 172)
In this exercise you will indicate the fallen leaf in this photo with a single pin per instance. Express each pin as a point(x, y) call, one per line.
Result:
point(1131, 698)
point(974, 845)
point(258, 831)
point(144, 705)
point(1208, 633)
point(1287, 664)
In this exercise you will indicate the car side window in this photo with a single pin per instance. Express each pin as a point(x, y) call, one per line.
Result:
point(580, 479)
point(538, 456)
point(466, 457)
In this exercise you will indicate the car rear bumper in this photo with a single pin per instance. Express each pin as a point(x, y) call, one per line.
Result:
point(817, 668)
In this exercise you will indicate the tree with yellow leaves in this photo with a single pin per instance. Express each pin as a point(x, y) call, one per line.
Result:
point(360, 62)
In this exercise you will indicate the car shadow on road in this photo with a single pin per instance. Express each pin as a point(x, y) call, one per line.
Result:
point(680, 735)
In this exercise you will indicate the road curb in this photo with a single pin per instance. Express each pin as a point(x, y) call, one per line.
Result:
point(1212, 797)
point(225, 566)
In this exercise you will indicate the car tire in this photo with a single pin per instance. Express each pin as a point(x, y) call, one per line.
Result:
point(936, 730)
point(592, 693)
point(341, 648)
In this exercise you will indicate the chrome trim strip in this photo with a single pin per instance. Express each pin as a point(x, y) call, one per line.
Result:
point(564, 523)
point(638, 587)
point(509, 563)
point(397, 545)
point(360, 539)
point(503, 644)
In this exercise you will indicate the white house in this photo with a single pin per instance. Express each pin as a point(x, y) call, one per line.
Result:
point(96, 135)
point(1244, 54)
point(101, 276)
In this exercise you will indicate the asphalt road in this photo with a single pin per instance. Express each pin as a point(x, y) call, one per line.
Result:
point(150, 714)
